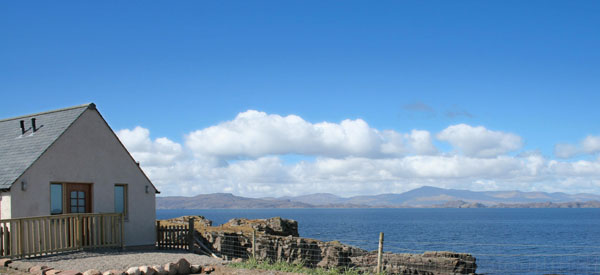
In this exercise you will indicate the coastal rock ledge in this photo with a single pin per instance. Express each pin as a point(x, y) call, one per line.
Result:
point(277, 240)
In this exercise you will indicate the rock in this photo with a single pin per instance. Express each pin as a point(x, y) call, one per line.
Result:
point(53, 271)
point(209, 269)
point(160, 270)
point(200, 220)
point(92, 272)
point(272, 226)
point(134, 271)
point(70, 272)
point(39, 270)
point(237, 260)
point(18, 265)
point(114, 272)
point(195, 269)
point(5, 262)
point(36, 268)
point(171, 268)
point(146, 270)
point(183, 266)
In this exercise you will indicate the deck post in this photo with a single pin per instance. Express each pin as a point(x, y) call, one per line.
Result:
point(79, 232)
point(21, 237)
point(122, 230)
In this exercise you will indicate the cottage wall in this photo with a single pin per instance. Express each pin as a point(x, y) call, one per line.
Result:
point(5, 205)
point(89, 152)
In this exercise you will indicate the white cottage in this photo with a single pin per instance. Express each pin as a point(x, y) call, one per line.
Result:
point(70, 161)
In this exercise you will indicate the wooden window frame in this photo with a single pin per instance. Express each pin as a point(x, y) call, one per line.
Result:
point(62, 197)
point(125, 199)
point(65, 195)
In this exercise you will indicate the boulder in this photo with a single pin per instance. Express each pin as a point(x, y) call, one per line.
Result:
point(53, 271)
point(5, 262)
point(19, 265)
point(183, 267)
point(272, 226)
point(237, 260)
point(114, 272)
point(195, 269)
point(134, 271)
point(147, 270)
point(171, 269)
point(199, 220)
point(70, 272)
point(92, 272)
point(39, 270)
point(160, 270)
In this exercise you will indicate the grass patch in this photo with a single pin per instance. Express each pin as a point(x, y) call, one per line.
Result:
point(291, 267)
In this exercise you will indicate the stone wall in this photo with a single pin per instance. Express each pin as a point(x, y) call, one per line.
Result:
point(314, 253)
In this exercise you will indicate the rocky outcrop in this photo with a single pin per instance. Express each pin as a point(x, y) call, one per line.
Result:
point(315, 253)
point(199, 220)
point(277, 240)
point(273, 226)
point(428, 263)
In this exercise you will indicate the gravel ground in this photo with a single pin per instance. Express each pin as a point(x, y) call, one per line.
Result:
point(114, 259)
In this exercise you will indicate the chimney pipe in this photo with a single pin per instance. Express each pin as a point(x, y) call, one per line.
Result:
point(22, 127)
point(33, 124)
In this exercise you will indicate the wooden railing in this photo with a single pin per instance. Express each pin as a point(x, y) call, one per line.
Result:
point(37, 236)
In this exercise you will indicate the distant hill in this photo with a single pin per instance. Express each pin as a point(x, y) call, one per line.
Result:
point(426, 196)
point(223, 200)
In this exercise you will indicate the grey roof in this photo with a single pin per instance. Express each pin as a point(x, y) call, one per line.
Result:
point(19, 151)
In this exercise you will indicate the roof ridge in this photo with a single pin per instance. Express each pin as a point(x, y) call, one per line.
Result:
point(88, 105)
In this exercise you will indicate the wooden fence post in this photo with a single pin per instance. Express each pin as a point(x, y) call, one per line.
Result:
point(80, 231)
point(380, 254)
point(158, 235)
point(253, 244)
point(21, 243)
point(191, 235)
point(122, 230)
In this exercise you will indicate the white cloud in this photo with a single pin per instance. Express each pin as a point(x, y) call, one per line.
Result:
point(161, 151)
point(589, 145)
point(479, 141)
point(243, 156)
point(256, 134)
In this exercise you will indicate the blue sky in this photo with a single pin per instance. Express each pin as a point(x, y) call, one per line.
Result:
point(526, 68)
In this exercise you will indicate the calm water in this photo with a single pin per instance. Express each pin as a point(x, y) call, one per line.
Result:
point(504, 241)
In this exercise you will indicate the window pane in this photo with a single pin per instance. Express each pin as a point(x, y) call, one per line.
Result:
point(73, 202)
point(119, 198)
point(81, 195)
point(56, 199)
point(81, 209)
point(81, 202)
point(73, 209)
point(73, 194)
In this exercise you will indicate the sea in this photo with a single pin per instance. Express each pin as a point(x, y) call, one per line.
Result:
point(504, 241)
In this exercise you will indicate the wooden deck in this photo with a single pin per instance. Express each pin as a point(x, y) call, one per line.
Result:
point(44, 235)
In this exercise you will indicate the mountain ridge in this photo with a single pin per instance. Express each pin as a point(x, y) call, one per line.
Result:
point(424, 197)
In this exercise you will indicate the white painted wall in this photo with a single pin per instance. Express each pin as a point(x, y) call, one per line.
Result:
point(88, 152)
point(5, 205)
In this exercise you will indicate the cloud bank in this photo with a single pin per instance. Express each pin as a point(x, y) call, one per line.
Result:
point(589, 145)
point(247, 156)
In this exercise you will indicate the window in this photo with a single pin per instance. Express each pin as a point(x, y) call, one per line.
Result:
point(70, 197)
point(121, 199)
point(77, 202)
point(56, 198)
